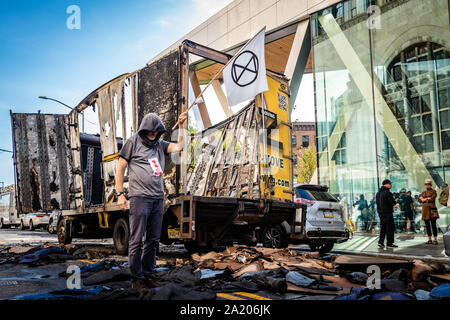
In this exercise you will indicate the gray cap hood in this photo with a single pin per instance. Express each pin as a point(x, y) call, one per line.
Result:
point(151, 122)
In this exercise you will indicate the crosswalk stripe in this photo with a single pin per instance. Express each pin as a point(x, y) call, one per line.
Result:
point(367, 244)
point(358, 243)
point(355, 244)
point(228, 296)
point(251, 295)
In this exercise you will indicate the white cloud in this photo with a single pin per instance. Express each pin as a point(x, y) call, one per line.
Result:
point(163, 22)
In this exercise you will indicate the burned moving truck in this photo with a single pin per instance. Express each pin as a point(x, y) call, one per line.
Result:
point(233, 182)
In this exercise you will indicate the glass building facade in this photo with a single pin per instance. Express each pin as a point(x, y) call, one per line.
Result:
point(382, 95)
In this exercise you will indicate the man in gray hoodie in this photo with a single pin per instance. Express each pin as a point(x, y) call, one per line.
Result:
point(144, 155)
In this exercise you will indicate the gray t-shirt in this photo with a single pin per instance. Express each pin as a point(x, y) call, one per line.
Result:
point(145, 167)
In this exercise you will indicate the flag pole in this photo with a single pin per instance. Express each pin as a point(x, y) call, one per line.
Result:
point(264, 131)
point(216, 75)
point(203, 91)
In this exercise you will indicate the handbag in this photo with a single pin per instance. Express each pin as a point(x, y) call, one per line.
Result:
point(434, 214)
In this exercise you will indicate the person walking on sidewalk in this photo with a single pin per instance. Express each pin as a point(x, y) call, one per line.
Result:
point(363, 213)
point(429, 211)
point(144, 155)
point(444, 198)
point(407, 206)
point(385, 208)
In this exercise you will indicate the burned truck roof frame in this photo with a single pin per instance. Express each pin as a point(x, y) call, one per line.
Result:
point(162, 88)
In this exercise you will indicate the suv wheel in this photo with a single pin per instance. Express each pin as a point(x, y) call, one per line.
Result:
point(120, 236)
point(322, 247)
point(275, 237)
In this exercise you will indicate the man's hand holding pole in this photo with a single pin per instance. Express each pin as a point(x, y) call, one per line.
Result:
point(181, 119)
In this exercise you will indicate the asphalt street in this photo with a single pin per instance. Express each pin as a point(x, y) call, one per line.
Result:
point(409, 244)
point(15, 236)
point(15, 280)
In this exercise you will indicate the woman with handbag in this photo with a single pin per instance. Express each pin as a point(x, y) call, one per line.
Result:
point(429, 211)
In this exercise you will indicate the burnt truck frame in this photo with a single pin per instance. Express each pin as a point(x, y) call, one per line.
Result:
point(59, 168)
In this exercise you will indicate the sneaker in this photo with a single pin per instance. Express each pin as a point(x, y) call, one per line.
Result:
point(140, 286)
point(392, 246)
point(380, 245)
point(151, 283)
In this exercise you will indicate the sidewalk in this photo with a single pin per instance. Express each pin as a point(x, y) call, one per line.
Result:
point(409, 245)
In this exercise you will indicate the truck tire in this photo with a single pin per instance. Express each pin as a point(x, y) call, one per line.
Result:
point(31, 226)
point(121, 236)
point(50, 227)
point(63, 236)
point(323, 248)
point(21, 226)
point(275, 236)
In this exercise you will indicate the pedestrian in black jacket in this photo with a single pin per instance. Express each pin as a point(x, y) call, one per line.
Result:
point(385, 207)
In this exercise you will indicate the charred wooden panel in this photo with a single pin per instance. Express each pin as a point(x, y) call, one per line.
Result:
point(158, 93)
point(76, 181)
point(223, 165)
point(43, 161)
point(109, 105)
point(22, 162)
point(62, 145)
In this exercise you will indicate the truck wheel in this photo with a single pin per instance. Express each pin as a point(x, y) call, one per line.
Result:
point(31, 227)
point(121, 236)
point(322, 247)
point(63, 236)
point(275, 237)
point(50, 227)
point(21, 226)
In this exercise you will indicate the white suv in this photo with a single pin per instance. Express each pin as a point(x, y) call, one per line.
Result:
point(324, 223)
point(34, 220)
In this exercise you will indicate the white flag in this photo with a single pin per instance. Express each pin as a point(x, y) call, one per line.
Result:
point(245, 76)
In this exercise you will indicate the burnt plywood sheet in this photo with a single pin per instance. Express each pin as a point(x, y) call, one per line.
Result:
point(441, 277)
point(293, 288)
point(43, 161)
point(356, 261)
point(158, 93)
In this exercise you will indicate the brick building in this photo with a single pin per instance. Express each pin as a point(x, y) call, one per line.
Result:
point(304, 136)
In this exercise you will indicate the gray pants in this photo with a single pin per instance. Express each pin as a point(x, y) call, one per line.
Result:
point(146, 216)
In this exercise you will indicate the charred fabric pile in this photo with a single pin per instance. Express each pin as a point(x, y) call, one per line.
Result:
point(34, 256)
point(278, 273)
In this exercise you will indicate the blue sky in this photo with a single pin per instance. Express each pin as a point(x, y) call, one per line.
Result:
point(39, 55)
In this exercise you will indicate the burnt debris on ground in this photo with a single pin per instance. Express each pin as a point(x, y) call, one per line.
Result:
point(271, 273)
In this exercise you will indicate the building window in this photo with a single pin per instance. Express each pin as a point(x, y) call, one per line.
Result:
point(395, 124)
point(414, 67)
point(305, 141)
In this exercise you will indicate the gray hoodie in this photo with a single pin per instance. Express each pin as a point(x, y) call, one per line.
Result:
point(146, 160)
